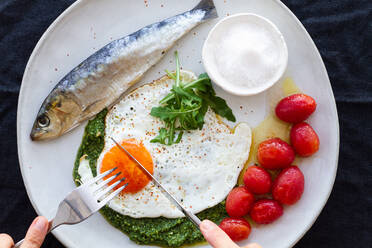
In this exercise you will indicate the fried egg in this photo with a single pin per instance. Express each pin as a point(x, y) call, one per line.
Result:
point(199, 171)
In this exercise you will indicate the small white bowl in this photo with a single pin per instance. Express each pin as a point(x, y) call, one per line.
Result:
point(220, 30)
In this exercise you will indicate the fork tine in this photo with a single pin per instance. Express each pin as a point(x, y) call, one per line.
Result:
point(99, 177)
point(105, 182)
point(106, 190)
point(112, 195)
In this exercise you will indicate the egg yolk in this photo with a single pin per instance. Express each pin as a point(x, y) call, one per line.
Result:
point(135, 176)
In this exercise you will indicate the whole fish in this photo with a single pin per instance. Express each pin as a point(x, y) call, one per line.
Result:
point(104, 76)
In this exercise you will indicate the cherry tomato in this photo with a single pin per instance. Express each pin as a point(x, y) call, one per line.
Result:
point(237, 228)
point(275, 154)
point(304, 139)
point(289, 186)
point(257, 180)
point(266, 211)
point(239, 202)
point(295, 108)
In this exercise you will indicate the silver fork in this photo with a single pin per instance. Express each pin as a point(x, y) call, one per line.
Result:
point(84, 201)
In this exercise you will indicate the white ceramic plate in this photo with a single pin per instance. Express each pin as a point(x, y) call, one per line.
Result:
point(88, 25)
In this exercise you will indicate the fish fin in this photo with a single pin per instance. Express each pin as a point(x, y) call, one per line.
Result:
point(208, 7)
point(92, 107)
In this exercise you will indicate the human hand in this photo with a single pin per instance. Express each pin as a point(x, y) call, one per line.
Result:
point(34, 236)
point(218, 238)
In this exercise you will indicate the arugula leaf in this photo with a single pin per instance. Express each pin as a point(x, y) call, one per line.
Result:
point(185, 106)
point(162, 136)
point(219, 106)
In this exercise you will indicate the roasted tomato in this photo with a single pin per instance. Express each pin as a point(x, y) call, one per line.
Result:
point(304, 139)
point(289, 186)
point(257, 180)
point(266, 211)
point(239, 202)
point(275, 154)
point(237, 228)
point(295, 108)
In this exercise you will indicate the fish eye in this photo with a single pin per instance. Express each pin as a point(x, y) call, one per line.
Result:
point(43, 121)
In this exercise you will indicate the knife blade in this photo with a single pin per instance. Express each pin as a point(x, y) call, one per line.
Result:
point(192, 217)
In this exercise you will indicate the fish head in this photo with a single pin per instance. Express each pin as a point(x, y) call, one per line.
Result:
point(57, 115)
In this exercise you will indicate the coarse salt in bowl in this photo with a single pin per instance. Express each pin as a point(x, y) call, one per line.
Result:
point(245, 54)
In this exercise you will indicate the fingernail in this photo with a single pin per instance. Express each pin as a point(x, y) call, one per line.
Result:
point(39, 224)
point(206, 225)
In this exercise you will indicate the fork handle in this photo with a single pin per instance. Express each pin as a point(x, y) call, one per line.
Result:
point(18, 244)
point(50, 228)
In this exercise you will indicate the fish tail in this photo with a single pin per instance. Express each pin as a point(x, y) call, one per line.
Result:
point(208, 7)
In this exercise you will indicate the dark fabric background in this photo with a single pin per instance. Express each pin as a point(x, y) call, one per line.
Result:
point(342, 31)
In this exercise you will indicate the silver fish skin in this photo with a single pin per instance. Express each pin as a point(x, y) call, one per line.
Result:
point(102, 78)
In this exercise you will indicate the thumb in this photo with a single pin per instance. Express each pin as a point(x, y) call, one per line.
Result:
point(36, 233)
point(215, 236)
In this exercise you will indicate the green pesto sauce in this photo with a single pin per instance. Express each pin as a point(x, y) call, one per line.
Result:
point(145, 231)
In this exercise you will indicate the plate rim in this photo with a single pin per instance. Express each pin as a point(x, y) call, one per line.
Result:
point(64, 240)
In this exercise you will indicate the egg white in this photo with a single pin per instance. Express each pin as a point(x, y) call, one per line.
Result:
point(199, 171)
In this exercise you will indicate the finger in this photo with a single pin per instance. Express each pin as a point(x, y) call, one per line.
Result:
point(6, 241)
point(254, 245)
point(36, 233)
point(215, 236)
